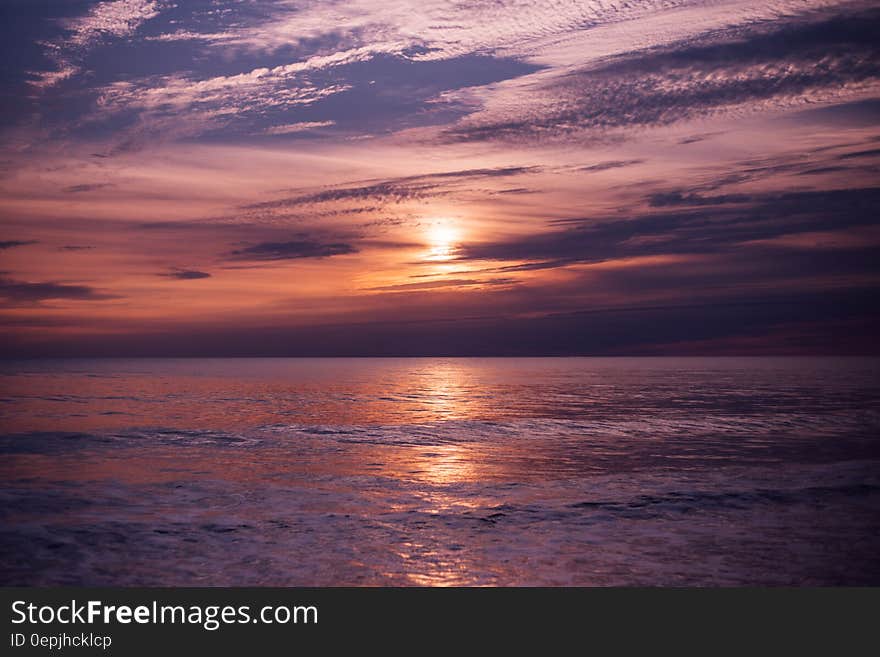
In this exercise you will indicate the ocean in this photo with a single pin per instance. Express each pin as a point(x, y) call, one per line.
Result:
point(440, 471)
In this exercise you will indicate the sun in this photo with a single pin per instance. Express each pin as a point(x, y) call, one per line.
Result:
point(442, 237)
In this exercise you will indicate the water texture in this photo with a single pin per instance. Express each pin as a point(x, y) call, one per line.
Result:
point(440, 471)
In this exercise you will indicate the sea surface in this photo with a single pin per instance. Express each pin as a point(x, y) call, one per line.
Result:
point(440, 471)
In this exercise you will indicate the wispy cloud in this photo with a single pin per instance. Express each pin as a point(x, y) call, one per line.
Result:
point(17, 291)
point(162, 100)
point(116, 18)
point(705, 230)
point(762, 67)
point(584, 68)
point(443, 283)
point(186, 274)
point(11, 244)
point(302, 126)
point(293, 250)
point(86, 187)
point(113, 19)
point(610, 164)
point(396, 190)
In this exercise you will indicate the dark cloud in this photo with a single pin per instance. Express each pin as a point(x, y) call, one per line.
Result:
point(693, 139)
point(690, 231)
point(776, 322)
point(871, 152)
point(448, 282)
point(25, 292)
point(756, 170)
point(740, 273)
point(75, 247)
point(11, 244)
point(819, 171)
point(660, 86)
point(854, 113)
point(517, 190)
point(677, 197)
point(181, 225)
point(810, 161)
point(498, 172)
point(293, 250)
point(396, 190)
point(75, 189)
point(392, 191)
point(613, 164)
point(186, 274)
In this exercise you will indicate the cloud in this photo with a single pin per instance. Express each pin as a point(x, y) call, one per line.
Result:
point(46, 79)
point(229, 96)
point(695, 139)
point(397, 190)
point(872, 152)
point(368, 90)
point(25, 292)
point(780, 322)
point(448, 282)
point(679, 198)
point(75, 247)
point(612, 164)
point(755, 68)
point(518, 71)
point(699, 230)
point(113, 19)
point(11, 244)
point(435, 30)
point(186, 274)
point(87, 187)
point(293, 250)
point(302, 126)
point(862, 112)
point(116, 18)
point(818, 171)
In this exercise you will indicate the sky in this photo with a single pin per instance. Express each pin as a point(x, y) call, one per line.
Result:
point(427, 177)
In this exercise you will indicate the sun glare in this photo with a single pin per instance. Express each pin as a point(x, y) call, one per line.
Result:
point(442, 238)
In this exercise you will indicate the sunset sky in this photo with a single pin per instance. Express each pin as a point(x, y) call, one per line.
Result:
point(399, 177)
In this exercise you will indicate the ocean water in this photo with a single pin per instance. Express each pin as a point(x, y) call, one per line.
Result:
point(440, 471)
